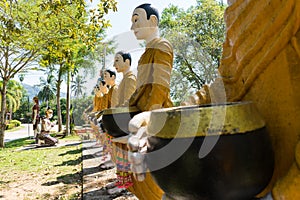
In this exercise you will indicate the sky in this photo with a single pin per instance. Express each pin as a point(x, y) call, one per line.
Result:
point(120, 30)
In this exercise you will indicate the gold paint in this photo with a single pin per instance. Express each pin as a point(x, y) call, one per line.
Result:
point(208, 120)
point(119, 110)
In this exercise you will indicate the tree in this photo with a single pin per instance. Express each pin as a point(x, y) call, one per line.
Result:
point(78, 37)
point(78, 86)
point(47, 88)
point(13, 96)
point(29, 27)
point(197, 35)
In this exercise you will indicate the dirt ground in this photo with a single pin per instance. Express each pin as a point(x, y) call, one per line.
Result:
point(87, 183)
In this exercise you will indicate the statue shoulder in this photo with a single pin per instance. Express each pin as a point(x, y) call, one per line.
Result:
point(163, 44)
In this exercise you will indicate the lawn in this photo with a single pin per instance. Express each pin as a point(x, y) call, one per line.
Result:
point(41, 173)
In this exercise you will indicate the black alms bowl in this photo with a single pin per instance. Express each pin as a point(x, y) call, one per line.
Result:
point(115, 120)
point(210, 152)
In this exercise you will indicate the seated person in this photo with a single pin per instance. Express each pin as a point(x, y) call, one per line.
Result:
point(45, 130)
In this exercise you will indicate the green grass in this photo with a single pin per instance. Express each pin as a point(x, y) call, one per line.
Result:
point(55, 165)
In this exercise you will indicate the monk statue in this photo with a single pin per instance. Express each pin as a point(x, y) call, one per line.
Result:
point(153, 81)
point(127, 86)
point(110, 80)
point(155, 65)
point(99, 100)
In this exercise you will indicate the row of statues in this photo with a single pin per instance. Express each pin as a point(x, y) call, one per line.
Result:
point(148, 90)
point(260, 63)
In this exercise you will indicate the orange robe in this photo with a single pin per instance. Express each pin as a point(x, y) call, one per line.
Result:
point(153, 77)
point(112, 96)
point(153, 92)
point(126, 88)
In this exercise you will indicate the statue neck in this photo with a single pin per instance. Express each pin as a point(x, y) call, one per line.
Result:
point(153, 36)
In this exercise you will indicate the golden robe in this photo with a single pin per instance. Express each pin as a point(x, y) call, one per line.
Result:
point(126, 88)
point(112, 96)
point(153, 77)
point(153, 92)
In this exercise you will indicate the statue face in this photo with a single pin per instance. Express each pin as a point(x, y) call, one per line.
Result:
point(120, 64)
point(109, 79)
point(103, 88)
point(141, 26)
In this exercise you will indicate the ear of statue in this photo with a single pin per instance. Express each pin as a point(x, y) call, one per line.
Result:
point(154, 20)
point(127, 61)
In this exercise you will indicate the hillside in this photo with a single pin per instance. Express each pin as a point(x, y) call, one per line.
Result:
point(34, 90)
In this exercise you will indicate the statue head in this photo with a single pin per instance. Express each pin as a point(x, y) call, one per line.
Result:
point(109, 77)
point(103, 87)
point(122, 61)
point(145, 20)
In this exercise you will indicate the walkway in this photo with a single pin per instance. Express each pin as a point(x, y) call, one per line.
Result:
point(95, 180)
point(22, 132)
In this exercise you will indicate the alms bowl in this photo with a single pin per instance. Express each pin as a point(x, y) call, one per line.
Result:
point(216, 151)
point(115, 120)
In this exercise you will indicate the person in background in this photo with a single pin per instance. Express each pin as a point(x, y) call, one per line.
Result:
point(47, 125)
point(36, 118)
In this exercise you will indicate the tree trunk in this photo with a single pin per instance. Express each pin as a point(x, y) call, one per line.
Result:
point(3, 112)
point(58, 85)
point(68, 105)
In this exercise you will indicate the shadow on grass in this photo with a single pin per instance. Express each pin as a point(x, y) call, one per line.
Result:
point(72, 152)
point(19, 143)
point(70, 162)
point(75, 178)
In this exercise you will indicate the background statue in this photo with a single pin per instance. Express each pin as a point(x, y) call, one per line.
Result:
point(127, 86)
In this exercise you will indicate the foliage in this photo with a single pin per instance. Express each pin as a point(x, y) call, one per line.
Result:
point(197, 35)
point(15, 122)
point(78, 85)
point(47, 88)
point(14, 95)
point(79, 106)
point(12, 124)
point(57, 31)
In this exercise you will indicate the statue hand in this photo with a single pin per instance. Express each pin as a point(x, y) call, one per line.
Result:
point(137, 144)
point(139, 121)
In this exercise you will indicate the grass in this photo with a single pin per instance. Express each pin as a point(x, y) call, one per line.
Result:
point(60, 166)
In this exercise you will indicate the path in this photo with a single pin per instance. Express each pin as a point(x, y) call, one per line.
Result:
point(24, 131)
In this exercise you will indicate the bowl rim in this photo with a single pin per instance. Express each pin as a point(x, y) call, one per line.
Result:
point(119, 110)
point(205, 120)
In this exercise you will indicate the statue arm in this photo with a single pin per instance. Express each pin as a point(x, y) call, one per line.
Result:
point(130, 86)
point(160, 87)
